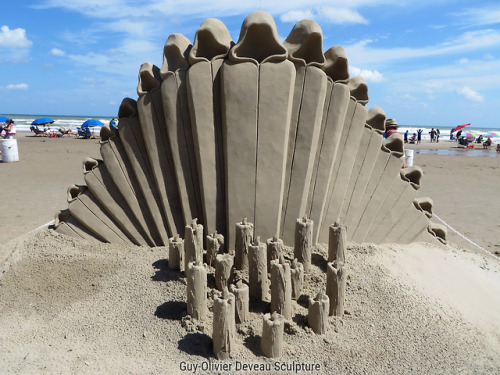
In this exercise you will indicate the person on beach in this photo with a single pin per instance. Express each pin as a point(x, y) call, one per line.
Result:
point(419, 135)
point(438, 134)
point(113, 124)
point(406, 136)
point(10, 129)
point(487, 143)
point(459, 133)
point(391, 127)
point(63, 131)
point(432, 134)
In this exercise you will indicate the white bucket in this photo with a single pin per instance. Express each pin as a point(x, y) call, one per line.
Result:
point(9, 150)
point(409, 157)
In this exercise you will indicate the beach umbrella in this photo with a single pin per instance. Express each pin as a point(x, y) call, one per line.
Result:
point(490, 134)
point(92, 122)
point(42, 121)
point(3, 118)
point(468, 135)
point(460, 127)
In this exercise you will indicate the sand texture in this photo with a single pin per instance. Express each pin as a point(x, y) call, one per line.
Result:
point(74, 307)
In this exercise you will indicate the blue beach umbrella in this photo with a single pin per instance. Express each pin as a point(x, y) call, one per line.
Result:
point(92, 122)
point(3, 118)
point(42, 121)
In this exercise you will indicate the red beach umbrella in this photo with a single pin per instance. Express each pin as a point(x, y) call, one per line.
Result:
point(460, 127)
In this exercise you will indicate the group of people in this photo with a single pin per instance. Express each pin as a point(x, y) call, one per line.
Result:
point(416, 138)
point(8, 130)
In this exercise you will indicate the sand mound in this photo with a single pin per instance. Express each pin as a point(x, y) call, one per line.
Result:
point(68, 306)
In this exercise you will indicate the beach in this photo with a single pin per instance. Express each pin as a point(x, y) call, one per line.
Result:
point(69, 306)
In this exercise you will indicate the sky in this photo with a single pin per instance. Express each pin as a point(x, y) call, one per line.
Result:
point(426, 62)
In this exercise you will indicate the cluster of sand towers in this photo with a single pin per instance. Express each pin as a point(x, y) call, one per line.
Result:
point(264, 263)
point(260, 128)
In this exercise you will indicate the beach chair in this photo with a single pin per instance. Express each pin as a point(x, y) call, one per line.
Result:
point(37, 131)
point(83, 132)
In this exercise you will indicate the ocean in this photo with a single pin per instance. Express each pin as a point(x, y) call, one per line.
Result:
point(23, 123)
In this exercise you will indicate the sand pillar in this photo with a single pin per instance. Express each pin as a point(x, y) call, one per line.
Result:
point(214, 242)
point(241, 295)
point(297, 276)
point(244, 235)
point(176, 253)
point(303, 242)
point(223, 267)
point(337, 243)
point(198, 229)
point(271, 342)
point(193, 252)
point(257, 269)
point(274, 250)
point(336, 278)
point(281, 288)
point(196, 289)
point(317, 315)
point(223, 325)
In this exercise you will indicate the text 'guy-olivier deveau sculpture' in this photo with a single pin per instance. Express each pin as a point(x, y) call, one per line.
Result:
point(260, 129)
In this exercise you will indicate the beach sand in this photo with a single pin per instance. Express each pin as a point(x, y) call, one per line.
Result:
point(68, 306)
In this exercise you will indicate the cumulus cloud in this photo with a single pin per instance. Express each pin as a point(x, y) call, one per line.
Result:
point(368, 75)
point(14, 45)
point(470, 94)
point(17, 86)
point(15, 38)
point(57, 52)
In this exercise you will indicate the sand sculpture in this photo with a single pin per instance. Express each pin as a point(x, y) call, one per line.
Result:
point(260, 129)
point(278, 133)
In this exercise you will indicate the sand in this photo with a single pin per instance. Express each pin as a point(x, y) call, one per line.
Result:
point(68, 306)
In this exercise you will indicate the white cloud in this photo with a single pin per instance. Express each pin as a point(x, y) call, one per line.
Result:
point(342, 15)
point(124, 60)
point(488, 15)
point(363, 52)
point(14, 45)
point(57, 52)
point(296, 15)
point(328, 14)
point(470, 94)
point(15, 38)
point(17, 86)
point(368, 75)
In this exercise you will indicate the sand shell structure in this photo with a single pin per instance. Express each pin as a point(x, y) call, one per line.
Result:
point(261, 129)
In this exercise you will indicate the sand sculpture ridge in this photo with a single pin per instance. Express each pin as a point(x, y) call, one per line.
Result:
point(258, 129)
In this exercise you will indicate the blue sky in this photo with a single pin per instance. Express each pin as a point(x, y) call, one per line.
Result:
point(431, 63)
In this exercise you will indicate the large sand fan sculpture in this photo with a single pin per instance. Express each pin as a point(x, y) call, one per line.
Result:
point(260, 129)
